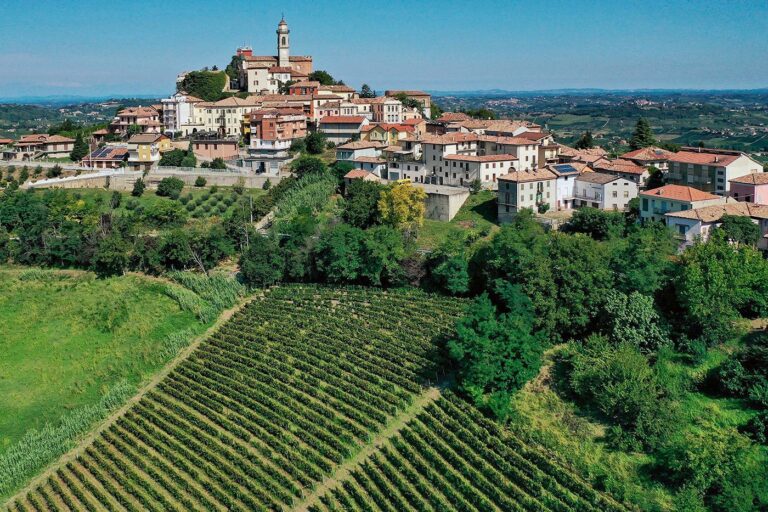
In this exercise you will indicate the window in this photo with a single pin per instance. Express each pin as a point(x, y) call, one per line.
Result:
point(682, 228)
point(626, 193)
point(645, 204)
point(615, 194)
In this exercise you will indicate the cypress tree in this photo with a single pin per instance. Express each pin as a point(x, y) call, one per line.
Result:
point(79, 149)
point(643, 136)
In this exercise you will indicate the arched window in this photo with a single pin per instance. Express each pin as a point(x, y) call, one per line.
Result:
point(283, 43)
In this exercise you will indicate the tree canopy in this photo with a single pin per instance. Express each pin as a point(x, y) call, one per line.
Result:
point(643, 135)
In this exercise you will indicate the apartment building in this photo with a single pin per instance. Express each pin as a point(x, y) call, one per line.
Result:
point(603, 191)
point(525, 189)
point(709, 170)
point(656, 203)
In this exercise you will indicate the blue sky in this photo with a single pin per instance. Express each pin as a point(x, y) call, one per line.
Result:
point(137, 47)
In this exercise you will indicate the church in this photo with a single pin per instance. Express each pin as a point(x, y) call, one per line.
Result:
point(264, 74)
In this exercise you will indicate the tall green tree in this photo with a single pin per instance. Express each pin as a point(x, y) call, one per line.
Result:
point(496, 354)
point(740, 229)
point(643, 135)
point(586, 141)
point(261, 264)
point(323, 77)
point(633, 319)
point(367, 92)
point(360, 206)
point(79, 149)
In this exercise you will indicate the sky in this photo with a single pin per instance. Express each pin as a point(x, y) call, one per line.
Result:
point(116, 47)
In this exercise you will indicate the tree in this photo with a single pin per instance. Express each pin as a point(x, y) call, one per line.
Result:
point(360, 206)
point(172, 158)
point(218, 163)
point(586, 141)
point(475, 186)
point(138, 188)
point(306, 164)
point(54, 172)
point(115, 200)
point(233, 68)
point(655, 178)
point(323, 77)
point(409, 102)
point(718, 464)
point(740, 229)
point(267, 184)
point(79, 149)
point(633, 319)
point(598, 224)
point(189, 160)
point(366, 92)
point(315, 143)
point(496, 355)
point(170, 187)
point(111, 257)
point(643, 136)
point(622, 385)
point(206, 85)
point(481, 113)
point(381, 252)
point(261, 264)
point(200, 181)
point(337, 254)
point(435, 111)
point(402, 206)
point(642, 261)
point(134, 129)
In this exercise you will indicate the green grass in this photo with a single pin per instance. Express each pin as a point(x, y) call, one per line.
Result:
point(478, 214)
point(66, 338)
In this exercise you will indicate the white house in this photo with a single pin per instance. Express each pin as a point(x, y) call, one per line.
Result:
point(603, 191)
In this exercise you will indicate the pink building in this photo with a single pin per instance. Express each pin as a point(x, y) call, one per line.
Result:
point(208, 149)
point(751, 188)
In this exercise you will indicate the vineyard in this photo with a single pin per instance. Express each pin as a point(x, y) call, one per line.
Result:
point(313, 398)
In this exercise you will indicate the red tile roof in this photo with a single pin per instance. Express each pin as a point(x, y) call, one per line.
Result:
point(680, 193)
point(361, 144)
point(715, 212)
point(620, 166)
point(509, 141)
point(388, 126)
point(450, 117)
point(358, 173)
point(342, 120)
point(756, 178)
point(524, 176)
point(649, 154)
point(703, 158)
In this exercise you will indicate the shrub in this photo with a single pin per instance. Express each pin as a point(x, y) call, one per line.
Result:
point(138, 188)
point(170, 187)
point(200, 181)
point(214, 189)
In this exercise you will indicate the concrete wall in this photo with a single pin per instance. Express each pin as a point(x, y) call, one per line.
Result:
point(444, 207)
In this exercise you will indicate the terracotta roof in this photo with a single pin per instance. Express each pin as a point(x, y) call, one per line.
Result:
point(680, 193)
point(308, 83)
point(597, 177)
point(6, 141)
point(388, 126)
point(703, 158)
point(103, 131)
point(413, 122)
point(138, 112)
point(342, 120)
point(146, 138)
point(649, 154)
point(361, 144)
point(537, 136)
point(481, 158)
point(715, 212)
point(358, 173)
point(756, 178)
point(523, 176)
point(450, 138)
point(619, 165)
point(330, 104)
point(44, 138)
point(337, 88)
point(509, 141)
point(501, 126)
point(278, 69)
point(370, 160)
point(407, 93)
point(450, 117)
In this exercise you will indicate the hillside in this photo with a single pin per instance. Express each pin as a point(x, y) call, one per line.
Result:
point(313, 398)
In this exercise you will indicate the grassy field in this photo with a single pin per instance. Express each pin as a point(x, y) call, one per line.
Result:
point(291, 406)
point(68, 337)
point(478, 215)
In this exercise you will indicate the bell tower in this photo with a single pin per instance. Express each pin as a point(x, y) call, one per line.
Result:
point(283, 44)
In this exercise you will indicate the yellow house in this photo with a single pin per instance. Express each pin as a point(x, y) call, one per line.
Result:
point(146, 149)
point(386, 133)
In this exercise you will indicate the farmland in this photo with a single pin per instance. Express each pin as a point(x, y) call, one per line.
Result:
point(313, 398)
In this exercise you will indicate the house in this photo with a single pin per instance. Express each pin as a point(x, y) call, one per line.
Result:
point(462, 170)
point(436, 147)
point(266, 74)
point(709, 170)
point(177, 111)
point(146, 149)
point(751, 188)
point(304, 87)
point(422, 97)
point(208, 146)
point(603, 191)
point(41, 145)
point(649, 157)
point(351, 150)
point(623, 168)
point(699, 222)
point(525, 189)
point(566, 182)
point(274, 130)
point(588, 156)
point(340, 129)
point(385, 110)
point(656, 203)
point(545, 141)
point(386, 133)
point(147, 119)
point(419, 125)
point(107, 157)
point(372, 164)
point(359, 174)
point(345, 92)
point(525, 150)
point(224, 117)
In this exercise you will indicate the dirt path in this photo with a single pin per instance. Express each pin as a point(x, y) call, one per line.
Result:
point(86, 441)
point(392, 428)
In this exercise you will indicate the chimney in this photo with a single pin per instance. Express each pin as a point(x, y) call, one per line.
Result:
point(716, 158)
